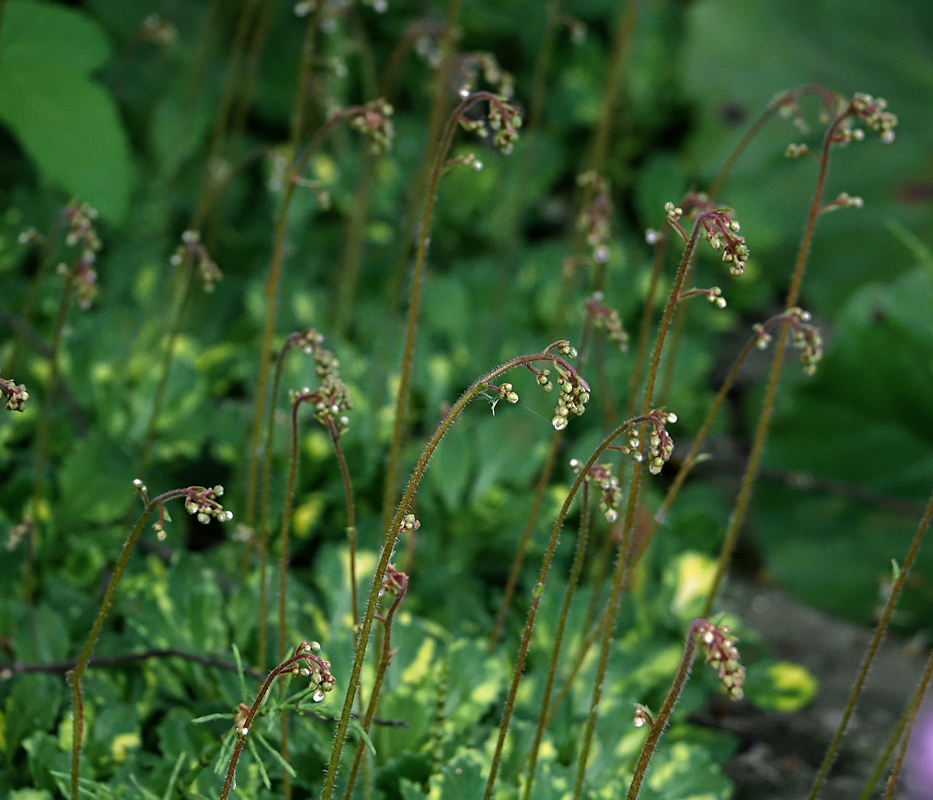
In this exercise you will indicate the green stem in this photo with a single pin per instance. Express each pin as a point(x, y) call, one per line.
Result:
point(414, 304)
point(272, 294)
point(764, 421)
point(388, 546)
point(380, 677)
point(543, 480)
point(572, 581)
point(872, 649)
point(78, 672)
point(539, 592)
point(619, 574)
point(660, 722)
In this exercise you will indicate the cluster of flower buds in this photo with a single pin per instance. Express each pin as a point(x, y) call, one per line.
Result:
point(208, 270)
point(796, 150)
point(83, 279)
point(157, 31)
point(804, 337)
point(660, 444)
point(505, 392)
point(467, 160)
point(503, 120)
point(643, 716)
point(395, 582)
point(409, 524)
point(15, 394)
point(81, 220)
point(315, 668)
point(325, 363)
point(601, 475)
point(722, 654)
point(573, 394)
point(608, 320)
point(596, 216)
point(203, 503)
point(843, 200)
point(330, 401)
point(871, 111)
point(718, 228)
point(374, 122)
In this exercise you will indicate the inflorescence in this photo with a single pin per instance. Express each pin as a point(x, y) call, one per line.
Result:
point(574, 392)
point(718, 228)
point(804, 337)
point(601, 475)
point(722, 654)
point(208, 270)
point(15, 393)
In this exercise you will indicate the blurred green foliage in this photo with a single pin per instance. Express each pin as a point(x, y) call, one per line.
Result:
point(101, 103)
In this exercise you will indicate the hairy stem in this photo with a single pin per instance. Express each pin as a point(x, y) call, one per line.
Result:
point(389, 541)
point(896, 588)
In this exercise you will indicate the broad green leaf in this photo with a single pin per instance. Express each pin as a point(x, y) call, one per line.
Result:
point(95, 481)
point(67, 124)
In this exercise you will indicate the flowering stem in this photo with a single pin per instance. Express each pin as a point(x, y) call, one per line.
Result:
point(414, 303)
point(401, 586)
point(907, 724)
point(78, 671)
point(572, 581)
point(764, 421)
point(272, 293)
point(539, 591)
point(390, 538)
point(619, 575)
point(660, 721)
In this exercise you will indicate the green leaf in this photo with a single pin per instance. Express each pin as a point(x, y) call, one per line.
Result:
point(67, 124)
point(94, 481)
point(780, 686)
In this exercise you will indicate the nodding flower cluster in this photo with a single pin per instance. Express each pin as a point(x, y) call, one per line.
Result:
point(503, 119)
point(601, 475)
point(331, 399)
point(607, 319)
point(871, 111)
point(199, 501)
point(191, 245)
point(722, 654)
point(313, 667)
point(15, 394)
point(596, 216)
point(574, 392)
point(804, 337)
point(660, 444)
point(718, 228)
point(81, 220)
point(374, 122)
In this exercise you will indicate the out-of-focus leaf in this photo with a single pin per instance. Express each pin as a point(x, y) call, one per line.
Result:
point(67, 124)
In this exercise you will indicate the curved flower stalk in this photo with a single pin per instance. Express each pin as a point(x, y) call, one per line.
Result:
point(398, 524)
point(502, 123)
point(842, 130)
point(374, 119)
point(304, 663)
point(722, 654)
point(200, 502)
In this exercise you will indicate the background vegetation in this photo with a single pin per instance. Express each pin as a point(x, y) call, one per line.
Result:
point(189, 120)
